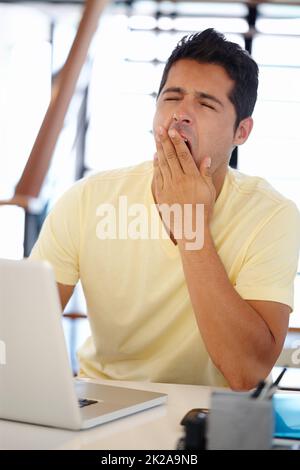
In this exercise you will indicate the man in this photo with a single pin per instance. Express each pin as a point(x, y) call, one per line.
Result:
point(215, 314)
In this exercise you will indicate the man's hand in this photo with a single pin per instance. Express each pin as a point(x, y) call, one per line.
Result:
point(177, 179)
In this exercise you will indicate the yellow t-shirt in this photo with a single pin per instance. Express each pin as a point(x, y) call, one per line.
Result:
point(142, 322)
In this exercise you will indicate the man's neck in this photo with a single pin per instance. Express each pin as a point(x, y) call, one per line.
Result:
point(218, 179)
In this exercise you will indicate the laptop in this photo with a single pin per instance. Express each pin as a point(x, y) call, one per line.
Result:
point(36, 382)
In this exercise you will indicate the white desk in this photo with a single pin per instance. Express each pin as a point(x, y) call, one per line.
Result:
point(157, 428)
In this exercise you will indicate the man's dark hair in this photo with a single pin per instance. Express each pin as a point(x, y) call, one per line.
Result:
point(210, 46)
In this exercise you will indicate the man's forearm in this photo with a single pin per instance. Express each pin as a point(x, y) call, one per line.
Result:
point(237, 338)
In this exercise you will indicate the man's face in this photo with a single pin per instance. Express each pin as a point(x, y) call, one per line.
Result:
point(195, 100)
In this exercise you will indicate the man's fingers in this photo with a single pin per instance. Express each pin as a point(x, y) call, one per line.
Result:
point(170, 154)
point(206, 173)
point(205, 169)
point(185, 158)
point(158, 179)
point(162, 162)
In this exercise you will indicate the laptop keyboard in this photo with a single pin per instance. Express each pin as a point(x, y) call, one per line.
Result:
point(85, 402)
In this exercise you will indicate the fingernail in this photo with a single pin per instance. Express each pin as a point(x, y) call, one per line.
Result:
point(208, 163)
point(160, 130)
point(172, 132)
point(155, 156)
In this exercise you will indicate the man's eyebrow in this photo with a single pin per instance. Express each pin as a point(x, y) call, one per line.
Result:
point(174, 89)
point(198, 94)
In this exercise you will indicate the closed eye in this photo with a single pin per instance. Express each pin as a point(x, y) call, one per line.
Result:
point(207, 106)
point(173, 98)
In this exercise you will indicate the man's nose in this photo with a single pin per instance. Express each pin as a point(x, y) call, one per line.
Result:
point(182, 117)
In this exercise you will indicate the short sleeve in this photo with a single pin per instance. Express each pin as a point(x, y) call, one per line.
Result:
point(59, 239)
point(271, 260)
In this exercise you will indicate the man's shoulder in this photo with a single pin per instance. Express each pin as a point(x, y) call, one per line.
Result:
point(135, 171)
point(106, 185)
point(256, 196)
point(256, 188)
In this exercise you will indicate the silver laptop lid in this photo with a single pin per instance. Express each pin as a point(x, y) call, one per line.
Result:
point(36, 383)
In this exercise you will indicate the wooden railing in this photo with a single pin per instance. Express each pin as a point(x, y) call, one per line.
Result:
point(30, 183)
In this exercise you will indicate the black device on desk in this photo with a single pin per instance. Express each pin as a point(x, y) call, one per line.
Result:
point(195, 425)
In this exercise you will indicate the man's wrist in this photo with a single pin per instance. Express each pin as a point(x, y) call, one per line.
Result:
point(202, 243)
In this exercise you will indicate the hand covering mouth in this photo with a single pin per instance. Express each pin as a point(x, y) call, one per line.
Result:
point(186, 134)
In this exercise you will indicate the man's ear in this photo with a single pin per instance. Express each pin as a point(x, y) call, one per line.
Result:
point(243, 131)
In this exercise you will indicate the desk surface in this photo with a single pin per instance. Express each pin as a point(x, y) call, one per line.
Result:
point(157, 428)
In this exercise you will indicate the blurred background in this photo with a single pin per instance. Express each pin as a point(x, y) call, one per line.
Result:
point(115, 96)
